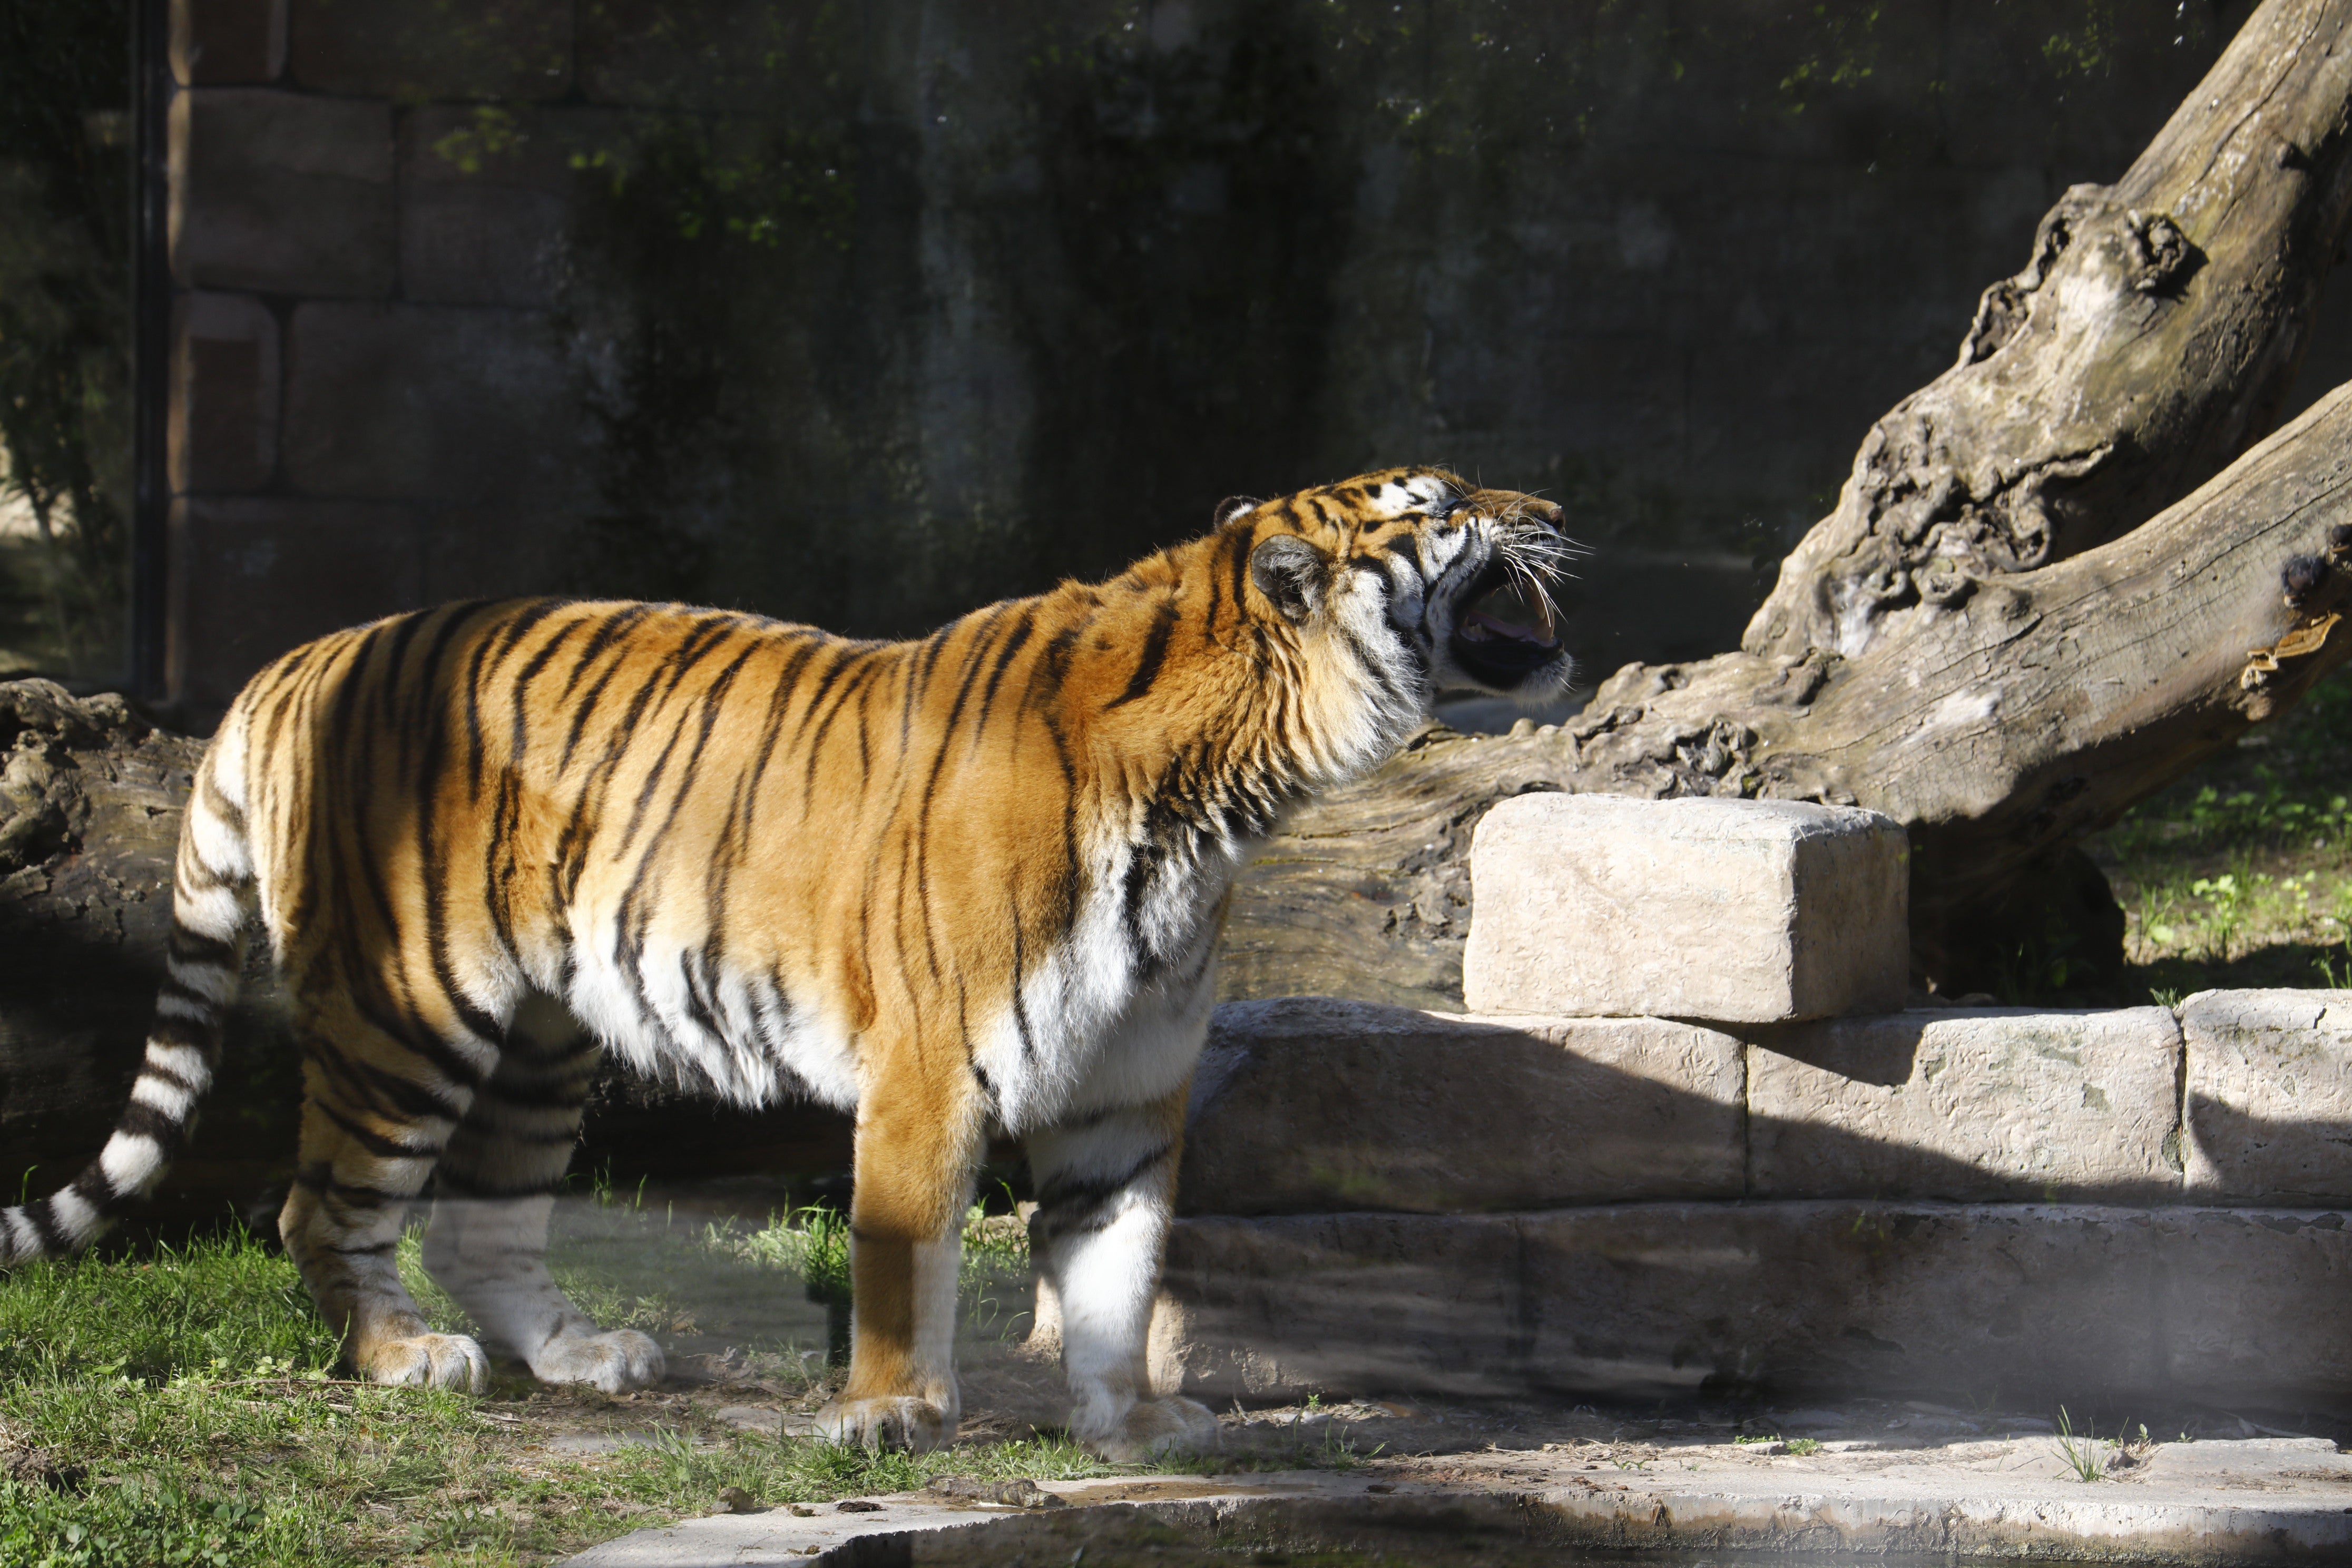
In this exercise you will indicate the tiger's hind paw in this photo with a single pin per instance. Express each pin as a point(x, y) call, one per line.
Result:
point(616, 1361)
point(428, 1361)
point(1153, 1427)
point(901, 1422)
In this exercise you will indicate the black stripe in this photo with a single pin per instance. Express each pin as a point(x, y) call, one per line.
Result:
point(1155, 650)
point(868, 668)
point(612, 626)
point(1020, 1008)
point(374, 1142)
point(141, 1119)
point(194, 948)
point(464, 1186)
point(219, 804)
point(44, 1226)
point(1067, 1205)
point(1014, 642)
point(382, 1091)
point(165, 1030)
point(522, 679)
point(167, 1078)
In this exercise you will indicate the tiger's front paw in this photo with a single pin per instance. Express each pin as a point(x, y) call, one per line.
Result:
point(1152, 1428)
point(616, 1361)
point(428, 1361)
point(899, 1422)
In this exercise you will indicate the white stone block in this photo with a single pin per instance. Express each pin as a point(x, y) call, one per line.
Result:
point(1733, 910)
point(1969, 1103)
point(2268, 1093)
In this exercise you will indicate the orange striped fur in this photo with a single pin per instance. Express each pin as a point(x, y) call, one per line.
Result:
point(969, 882)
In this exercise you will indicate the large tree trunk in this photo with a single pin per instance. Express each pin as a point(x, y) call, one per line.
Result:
point(1992, 638)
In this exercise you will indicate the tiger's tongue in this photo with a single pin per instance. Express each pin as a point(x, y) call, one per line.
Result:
point(1509, 611)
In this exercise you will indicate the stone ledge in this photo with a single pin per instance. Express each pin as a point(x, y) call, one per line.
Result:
point(1309, 1103)
point(1972, 1105)
point(2268, 1094)
point(2204, 1504)
point(2082, 1303)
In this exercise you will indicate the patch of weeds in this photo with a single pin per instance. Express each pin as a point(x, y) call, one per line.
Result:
point(2241, 874)
point(1800, 1446)
point(2082, 1453)
point(149, 1520)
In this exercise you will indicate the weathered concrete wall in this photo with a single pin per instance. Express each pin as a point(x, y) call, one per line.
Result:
point(869, 313)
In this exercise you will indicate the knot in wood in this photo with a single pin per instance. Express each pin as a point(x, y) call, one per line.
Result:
point(2156, 248)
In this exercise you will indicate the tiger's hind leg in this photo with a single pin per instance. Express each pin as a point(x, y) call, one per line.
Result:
point(376, 1113)
point(1106, 1184)
point(493, 1193)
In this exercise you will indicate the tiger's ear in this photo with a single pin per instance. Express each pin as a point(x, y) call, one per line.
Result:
point(1231, 508)
point(1292, 574)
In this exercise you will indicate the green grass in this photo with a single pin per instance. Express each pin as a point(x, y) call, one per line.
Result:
point(2241, 874)
point(192, 1393)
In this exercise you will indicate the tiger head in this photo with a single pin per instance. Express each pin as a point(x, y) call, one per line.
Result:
point(1415, 584)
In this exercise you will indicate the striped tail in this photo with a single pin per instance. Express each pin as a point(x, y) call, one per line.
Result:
point(211, 881)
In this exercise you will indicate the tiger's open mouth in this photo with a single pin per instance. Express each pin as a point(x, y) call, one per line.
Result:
point(1504, 630)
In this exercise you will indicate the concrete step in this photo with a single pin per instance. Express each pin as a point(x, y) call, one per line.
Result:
point(2185, 1505)
point(1309, 1105)
point(1967, 1302)
point(2267, 1096)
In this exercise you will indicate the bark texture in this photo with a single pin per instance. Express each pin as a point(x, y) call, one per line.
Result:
point(1993, 638)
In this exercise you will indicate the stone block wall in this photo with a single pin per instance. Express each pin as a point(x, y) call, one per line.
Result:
point(870, 313)
point(371, 404)
point(1967, 1203)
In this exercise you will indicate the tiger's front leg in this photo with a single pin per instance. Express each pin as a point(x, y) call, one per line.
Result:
point(917, 1146)
point(1106, 1185)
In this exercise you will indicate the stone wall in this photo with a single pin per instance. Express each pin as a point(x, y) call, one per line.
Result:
point(866, 314)
point(2137, 1205)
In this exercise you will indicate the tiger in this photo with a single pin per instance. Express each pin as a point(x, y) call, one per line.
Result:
point(964, 885)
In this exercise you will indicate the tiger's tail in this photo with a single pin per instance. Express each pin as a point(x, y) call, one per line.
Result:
point(212, 883)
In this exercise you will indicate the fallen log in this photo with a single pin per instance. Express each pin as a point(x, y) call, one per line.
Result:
point(1995, 637)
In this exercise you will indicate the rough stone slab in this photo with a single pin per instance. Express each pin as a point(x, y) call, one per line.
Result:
point(1309, 1104)
point(223, 430)
point(2269, 1096)
point(1968, 1105)
point(2077, 1302)
point(473, 407)
point(281, 193)
point(2205, 1504)
point(1268, 1308)
point(1740, 911)
point(2257, 1298)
